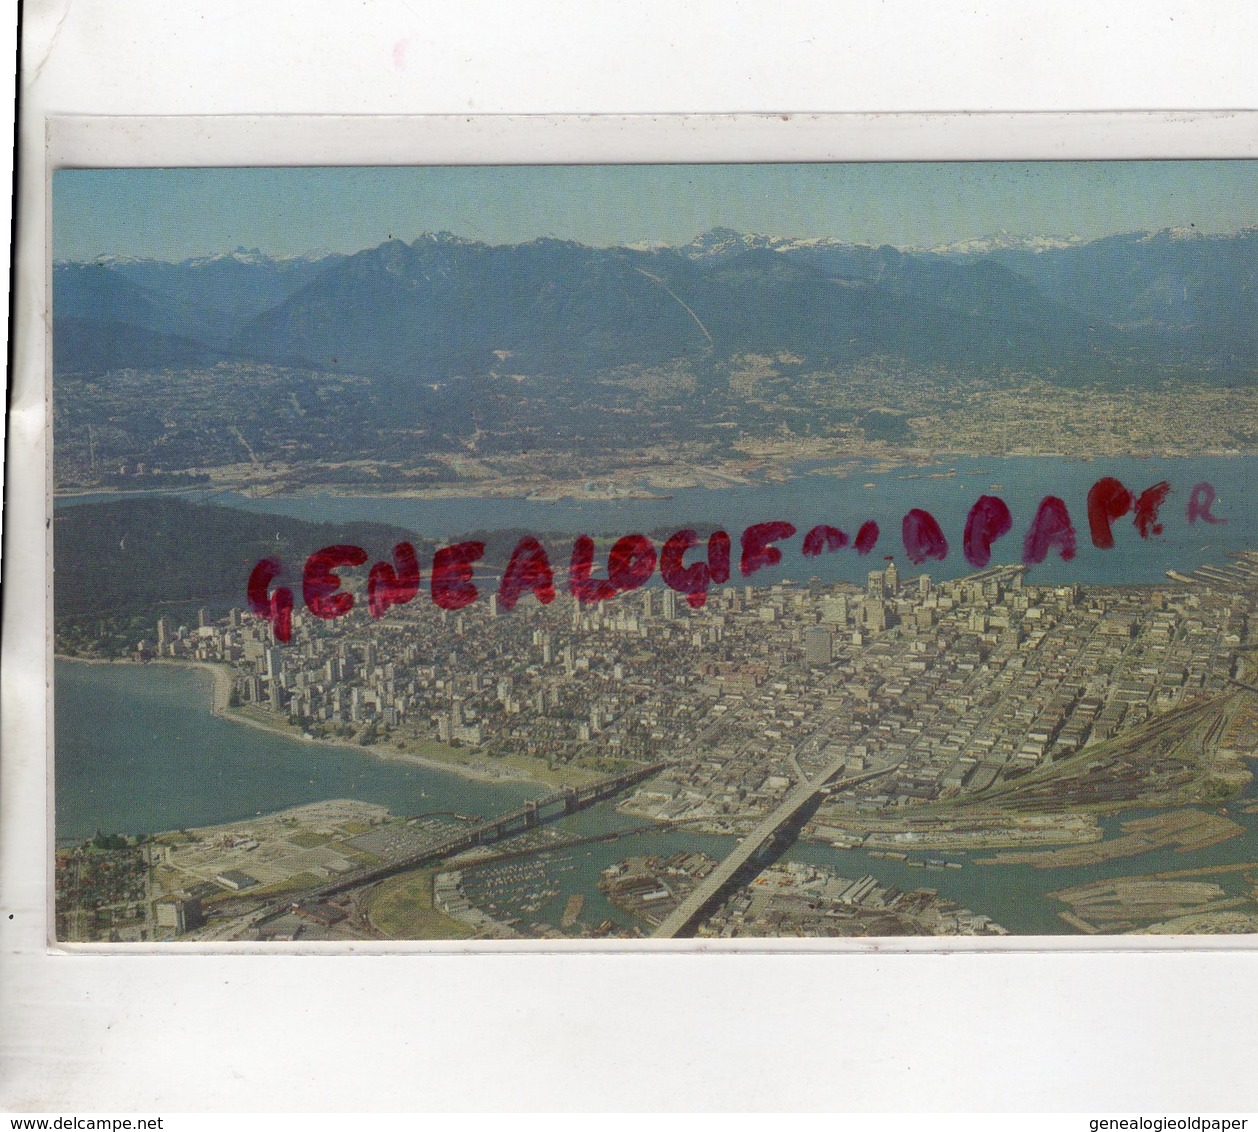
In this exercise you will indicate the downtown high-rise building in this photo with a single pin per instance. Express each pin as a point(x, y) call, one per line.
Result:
point(818, 645)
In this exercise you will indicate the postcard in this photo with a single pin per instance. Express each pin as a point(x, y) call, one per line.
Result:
point(752, 552)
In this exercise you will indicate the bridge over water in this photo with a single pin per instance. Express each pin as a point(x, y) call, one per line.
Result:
point(686, 915)
point(532, 813)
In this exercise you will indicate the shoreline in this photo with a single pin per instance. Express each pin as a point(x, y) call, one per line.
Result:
point(220, 693)
point(221, 683)
point(839, 465)
point(389, 754)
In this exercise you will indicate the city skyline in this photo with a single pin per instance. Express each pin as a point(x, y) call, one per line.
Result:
point(775, 586)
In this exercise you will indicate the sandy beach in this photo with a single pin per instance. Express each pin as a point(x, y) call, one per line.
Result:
point(220, 697)
point(221, 689)
point(387, 754)
point(221, 694)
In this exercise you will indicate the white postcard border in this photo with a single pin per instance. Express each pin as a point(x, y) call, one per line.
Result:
point(850, 1032)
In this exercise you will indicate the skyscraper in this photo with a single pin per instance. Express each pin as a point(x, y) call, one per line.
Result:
point(818, 645)
point(875, 614)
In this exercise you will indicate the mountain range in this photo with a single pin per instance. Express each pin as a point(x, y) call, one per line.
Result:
point(444, 307)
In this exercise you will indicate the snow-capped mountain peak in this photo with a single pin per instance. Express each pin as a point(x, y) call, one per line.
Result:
point(1004, 241)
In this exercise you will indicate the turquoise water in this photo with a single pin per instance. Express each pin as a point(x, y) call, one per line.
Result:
point(846, 502)
point(138, 751)
point(1015, 895)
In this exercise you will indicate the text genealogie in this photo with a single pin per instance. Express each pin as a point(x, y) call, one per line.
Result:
point(690, 565)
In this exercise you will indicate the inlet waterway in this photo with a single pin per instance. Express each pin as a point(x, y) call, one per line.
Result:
point(138, 750)
point(814, 495)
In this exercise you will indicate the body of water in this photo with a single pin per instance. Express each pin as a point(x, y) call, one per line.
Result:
point(1015, 896)
point(138, 751)
point(813, 496)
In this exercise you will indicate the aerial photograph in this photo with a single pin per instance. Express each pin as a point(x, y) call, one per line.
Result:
point(750, 552)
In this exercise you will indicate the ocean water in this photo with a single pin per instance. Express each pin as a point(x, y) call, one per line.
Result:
point(137, 750)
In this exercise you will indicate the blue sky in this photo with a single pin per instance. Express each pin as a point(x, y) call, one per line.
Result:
point(175, 213)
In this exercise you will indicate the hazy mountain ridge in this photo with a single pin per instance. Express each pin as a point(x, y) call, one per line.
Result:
point(205, 299)
point(1170, 279)
point(444, 306)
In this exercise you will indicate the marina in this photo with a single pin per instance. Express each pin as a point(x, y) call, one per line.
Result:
point(1016, 895)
